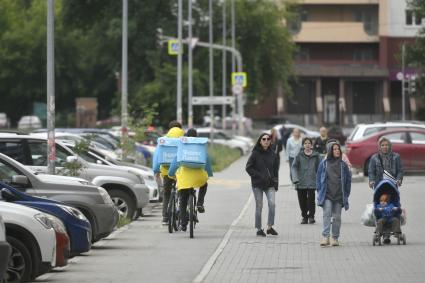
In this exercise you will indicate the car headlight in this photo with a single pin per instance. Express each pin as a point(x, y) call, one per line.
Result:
point(51, 222)
point(140, 177)
point(74, 212)
point(105, 196)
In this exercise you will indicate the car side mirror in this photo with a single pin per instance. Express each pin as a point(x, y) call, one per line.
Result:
point(7, 195)
point(20, 180)
point(71, 159)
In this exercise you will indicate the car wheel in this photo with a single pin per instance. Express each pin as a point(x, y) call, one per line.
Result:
point(123, 202)
point(19, 268)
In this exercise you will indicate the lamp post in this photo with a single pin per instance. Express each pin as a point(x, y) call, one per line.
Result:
point(224, 73)
point(124, 78)
point(211, 66)
point(190, 63)
point(179, 62)
point(51, 145)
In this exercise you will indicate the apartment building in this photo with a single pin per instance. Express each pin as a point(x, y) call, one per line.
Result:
point(347, 62)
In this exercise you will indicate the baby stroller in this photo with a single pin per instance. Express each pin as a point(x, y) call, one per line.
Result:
point(390, 188)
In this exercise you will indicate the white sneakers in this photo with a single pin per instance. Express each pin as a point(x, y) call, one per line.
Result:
point(329, 242)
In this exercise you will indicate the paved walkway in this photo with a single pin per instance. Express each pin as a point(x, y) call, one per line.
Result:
point(295, 255)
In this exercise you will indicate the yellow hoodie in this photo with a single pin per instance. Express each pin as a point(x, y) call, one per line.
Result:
point(172, 133)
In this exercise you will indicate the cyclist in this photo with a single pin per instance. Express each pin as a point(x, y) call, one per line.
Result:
point(175, 131)
point(190, 178)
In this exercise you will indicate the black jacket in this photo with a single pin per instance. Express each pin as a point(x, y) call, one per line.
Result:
point(320, 145)
point(263, 168)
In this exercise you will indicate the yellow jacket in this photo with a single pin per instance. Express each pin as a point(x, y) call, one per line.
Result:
point(172, 133)
point(190, 177)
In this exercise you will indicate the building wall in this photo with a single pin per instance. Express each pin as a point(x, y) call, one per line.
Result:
point(395, 20)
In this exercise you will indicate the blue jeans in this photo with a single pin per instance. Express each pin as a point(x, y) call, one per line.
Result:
point(331, 211)
point(258, 195)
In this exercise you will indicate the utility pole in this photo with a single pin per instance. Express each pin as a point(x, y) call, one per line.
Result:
point(403, 89)
point(233, 22)
point(179, 62)
point(124, 78)
point(190, 63)
point(51, 145)
point(224, 73)
point(211, 67)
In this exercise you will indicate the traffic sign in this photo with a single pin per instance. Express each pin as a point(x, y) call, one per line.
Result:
point(237, 89)
point(212, 100)
point(173, 47)
point(239, 78)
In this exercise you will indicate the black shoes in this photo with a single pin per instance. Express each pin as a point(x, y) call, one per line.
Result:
point(311, 220)
point(271, 231)
point(261, 233)
point(304, 221)
point(183, 228)
point(200, 208)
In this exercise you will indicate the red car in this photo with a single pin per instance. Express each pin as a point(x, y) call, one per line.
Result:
point(408, 142)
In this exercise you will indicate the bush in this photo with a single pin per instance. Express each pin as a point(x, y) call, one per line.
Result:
point(222, 156)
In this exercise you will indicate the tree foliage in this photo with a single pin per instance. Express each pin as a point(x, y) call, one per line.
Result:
point(88, 53)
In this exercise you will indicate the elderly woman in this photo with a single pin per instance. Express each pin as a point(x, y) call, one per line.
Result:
point(385, 160)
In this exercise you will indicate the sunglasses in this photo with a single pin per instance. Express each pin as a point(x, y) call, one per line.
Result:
point(265, 139)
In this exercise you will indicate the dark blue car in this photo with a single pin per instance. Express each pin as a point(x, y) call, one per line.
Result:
point(77, 225)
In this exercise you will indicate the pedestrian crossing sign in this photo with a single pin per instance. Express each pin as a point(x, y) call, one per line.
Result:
point(173, 47)
point(239, 78)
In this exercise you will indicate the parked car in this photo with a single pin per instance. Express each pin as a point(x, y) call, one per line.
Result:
point(33, 240)
point(94, 202)
point(77, 225)
point(408, 142)
point(336, 132)
point(4, 121)
point(126, 187)
point(221, 138)
point(5, 250)
point(363, 130)
point(29, 122)
point(286, 129)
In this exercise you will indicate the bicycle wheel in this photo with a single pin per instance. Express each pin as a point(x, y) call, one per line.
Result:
point(175, 213)
point(171, 213)
point(191, 214)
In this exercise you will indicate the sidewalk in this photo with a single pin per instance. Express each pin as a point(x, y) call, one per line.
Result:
point(295, 255)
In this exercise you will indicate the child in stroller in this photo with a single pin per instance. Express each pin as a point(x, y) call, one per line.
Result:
point(387, 211)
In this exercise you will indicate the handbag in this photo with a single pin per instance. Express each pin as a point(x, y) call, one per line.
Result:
point(368, 217)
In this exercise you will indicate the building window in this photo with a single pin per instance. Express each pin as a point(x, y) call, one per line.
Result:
point(363, 55)
point(412, 19)
point(303, 54)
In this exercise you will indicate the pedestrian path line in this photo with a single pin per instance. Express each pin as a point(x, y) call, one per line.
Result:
point(211, 261)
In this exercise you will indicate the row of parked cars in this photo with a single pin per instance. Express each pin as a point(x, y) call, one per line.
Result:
point(46, 219)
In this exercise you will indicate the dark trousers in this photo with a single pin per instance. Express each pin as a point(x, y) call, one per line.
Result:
point(291, 160)
point(394, 223)
point(168, 185)
point(306, 199)
point(184, 198)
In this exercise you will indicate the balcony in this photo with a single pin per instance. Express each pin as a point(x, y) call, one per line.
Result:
point(334, 32)
point(338, 2)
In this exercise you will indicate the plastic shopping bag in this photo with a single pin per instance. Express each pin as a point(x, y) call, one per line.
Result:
point(368, 218)
point(403, 217)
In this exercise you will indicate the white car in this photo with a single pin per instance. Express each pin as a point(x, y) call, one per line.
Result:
point(29, 122)
point(363, 130)
point(290, 127)
point(5, 249)
point(221, 138)
point(32, 237)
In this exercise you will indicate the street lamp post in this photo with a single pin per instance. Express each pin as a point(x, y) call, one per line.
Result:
point(179, 62)
point(211, 66)
point(51, 145)
point(190, 63)
point(224, 73)
point(403, 90)
point(124, 78)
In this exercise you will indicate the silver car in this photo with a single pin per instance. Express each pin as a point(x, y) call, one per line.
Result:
point(93, 201)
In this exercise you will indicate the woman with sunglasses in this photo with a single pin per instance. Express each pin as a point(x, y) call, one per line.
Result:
point(262, 167)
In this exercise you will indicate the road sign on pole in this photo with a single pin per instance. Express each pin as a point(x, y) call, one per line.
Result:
point(173, 47)
point(212, 100)
point(239, 78)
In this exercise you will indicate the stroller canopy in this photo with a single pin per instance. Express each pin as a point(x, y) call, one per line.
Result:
point(389, 187)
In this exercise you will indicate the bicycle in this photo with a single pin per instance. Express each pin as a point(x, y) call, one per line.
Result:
point(172, 211)
point(193, 213)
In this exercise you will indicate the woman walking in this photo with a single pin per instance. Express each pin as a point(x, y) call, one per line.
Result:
point(262, 167)
point(293, 147)
point(304, 170)
point(276, 144)
point(333, 189)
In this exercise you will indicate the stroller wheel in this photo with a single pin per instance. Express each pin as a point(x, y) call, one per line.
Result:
point(374, 240)
point(379, 241)
point(398, 240)
point(403, 238)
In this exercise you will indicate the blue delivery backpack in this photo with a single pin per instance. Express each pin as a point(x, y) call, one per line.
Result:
point(192, 152)
point(167, 150)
